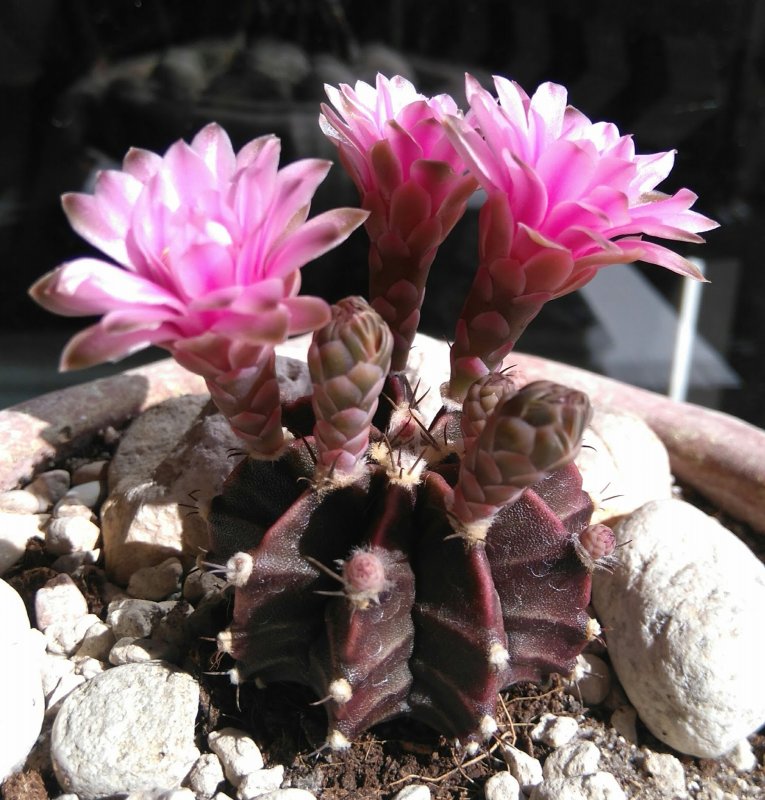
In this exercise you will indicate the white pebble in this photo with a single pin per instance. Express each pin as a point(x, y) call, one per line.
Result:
point(59, 601)
point(49, 487)
point(21, 501)
point(502, 786)
point(591, 679)
point(15, 531)
point(73, 507)
point(135, 651)
point(598, 786)
point(92, 471)
point(206, 775)
point(577, 758)
point(96, 643)
point(66, 535)
point(53, 669)
point(417, 791)
point(667, 770)
point(156, 583)
point(742, 757)
point(133, 618)
point(64, 688)
point(288, 794)
point(237, 752)
point(682, 608)
point(88, 493)
point(257, 783)
point(126, 729)
point(555, 731)
point(89, 667)
point(523, 767)
point(624, 720)
point(65, 637)
point(161, 794)
point(22, 704)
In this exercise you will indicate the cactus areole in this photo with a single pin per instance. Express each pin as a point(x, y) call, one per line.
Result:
point(395, 564)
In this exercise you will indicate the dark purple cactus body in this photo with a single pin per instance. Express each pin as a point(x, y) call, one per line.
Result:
point(370, 593)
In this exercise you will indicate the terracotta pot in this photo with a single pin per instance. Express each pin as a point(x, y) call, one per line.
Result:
point(719, 455)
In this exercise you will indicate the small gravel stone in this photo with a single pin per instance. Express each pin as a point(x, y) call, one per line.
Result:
point(71, 562)
point(89, 667)
point(598, 786)
point(206, 776)
point(667, 770)
point(624, 720)
point(133, 618)
point(128, 729)
point(577, 758)
point(21, 501)
point(135, 651)
point(158, 582)
point(237, 752)
point(59, 601)
point(742, 757)
point(89, 494)
point(49, 487)
point(92, 471)
point(97, 642)
point(417, 791)
point(591, 679)
point(64, 688)
point(199, 584)
point(15, 531)
point(70, 506)
point(523, 767)
point(502, 786)
point(555, 731)
point(162, 794)
point(259, 782)
point(66, 535)
point(65, 638)
point(53, 669)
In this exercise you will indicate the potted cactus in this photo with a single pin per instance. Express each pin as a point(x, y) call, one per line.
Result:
point(394, 563)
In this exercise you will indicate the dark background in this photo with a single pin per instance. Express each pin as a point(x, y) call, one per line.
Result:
point(83, 80)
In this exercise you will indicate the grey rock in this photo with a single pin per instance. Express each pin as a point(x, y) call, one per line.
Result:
point(591, 679)
point(133, 618)
point(134, 651)
point(683, 613)
point(129, 729)
point(50, 486)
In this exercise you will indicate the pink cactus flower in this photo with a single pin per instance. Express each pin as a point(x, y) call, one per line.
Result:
point(391, 141)
point(208, 246)
point(566, 197)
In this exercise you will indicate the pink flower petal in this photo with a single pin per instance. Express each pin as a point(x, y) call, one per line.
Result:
point(94, 345)
point(88, 286)
point(313, 239)
point(214, 146)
